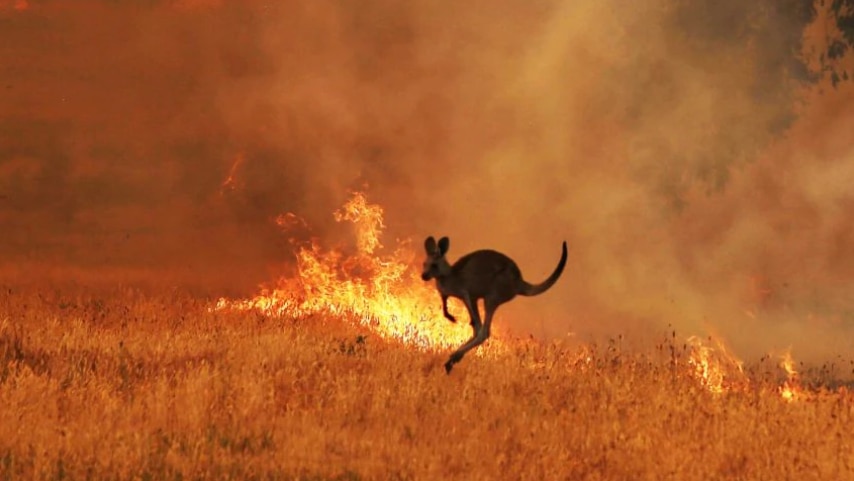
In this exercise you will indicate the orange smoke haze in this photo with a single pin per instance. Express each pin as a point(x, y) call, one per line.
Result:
point(174, 133)
point(18, 5)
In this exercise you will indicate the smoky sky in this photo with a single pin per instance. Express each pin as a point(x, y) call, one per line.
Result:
point(700, 180)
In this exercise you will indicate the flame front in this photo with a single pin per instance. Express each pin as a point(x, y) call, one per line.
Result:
point(380, 291)
point(716, 369)
point(383, 292)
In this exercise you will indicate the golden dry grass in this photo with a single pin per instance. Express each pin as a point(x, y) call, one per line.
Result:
point(117, 384)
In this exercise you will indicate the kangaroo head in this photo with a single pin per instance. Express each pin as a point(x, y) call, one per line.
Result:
point(435, 265)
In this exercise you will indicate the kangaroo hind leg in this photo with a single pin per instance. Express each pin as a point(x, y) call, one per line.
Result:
point(474, 315)
point(480, 336)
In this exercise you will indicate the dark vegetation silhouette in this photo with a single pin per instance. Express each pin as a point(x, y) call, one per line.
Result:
point(838, 46)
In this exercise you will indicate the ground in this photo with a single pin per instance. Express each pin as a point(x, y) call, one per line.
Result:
point(121, 383)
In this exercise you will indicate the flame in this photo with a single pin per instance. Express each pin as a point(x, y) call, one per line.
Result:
point(290, 221)
point(715, 368)
point(791, 389)
point(368, 220)
point(380, 291)
point(384, 293)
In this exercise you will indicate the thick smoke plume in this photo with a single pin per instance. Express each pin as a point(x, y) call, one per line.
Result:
point(698, 184)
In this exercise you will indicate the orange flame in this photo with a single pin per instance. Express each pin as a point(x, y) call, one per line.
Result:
point(378, 290)
point(716, 369)
point(384, 293)
point(791, 389)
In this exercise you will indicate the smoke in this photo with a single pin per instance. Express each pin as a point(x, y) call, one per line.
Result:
point(657, 137)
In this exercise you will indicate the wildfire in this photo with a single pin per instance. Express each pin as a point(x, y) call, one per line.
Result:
point(791, 389)
point(716, 369)
point(378, 290)
point(385, 293)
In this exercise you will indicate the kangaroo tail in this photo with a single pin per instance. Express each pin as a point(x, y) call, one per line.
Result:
point(527, 289)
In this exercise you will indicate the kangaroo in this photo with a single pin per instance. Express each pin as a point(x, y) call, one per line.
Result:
point(483, 274)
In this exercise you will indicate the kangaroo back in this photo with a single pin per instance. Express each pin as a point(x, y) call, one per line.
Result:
point(527, 289)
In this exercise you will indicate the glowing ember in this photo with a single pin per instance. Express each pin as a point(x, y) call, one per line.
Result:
point(378, 290)
point(716, 369)
point(230, 182)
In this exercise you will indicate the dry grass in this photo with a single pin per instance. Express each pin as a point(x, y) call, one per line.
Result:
point(123, 385)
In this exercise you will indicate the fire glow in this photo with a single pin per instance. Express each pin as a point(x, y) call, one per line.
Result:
point(381, 291)
point(716, 369)
point(17, 5)
point(386, 294)
point(791, 389)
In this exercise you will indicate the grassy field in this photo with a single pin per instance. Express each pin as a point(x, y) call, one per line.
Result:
point(117, 384)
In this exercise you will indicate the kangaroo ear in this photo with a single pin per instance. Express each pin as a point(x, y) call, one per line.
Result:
point(430, 245)
point(444, 243)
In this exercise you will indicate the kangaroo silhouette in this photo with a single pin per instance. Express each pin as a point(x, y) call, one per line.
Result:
point(483, 274)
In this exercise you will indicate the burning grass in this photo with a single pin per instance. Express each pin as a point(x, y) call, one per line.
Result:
point(336, 373)
point(378, 290)
point(125, 385)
